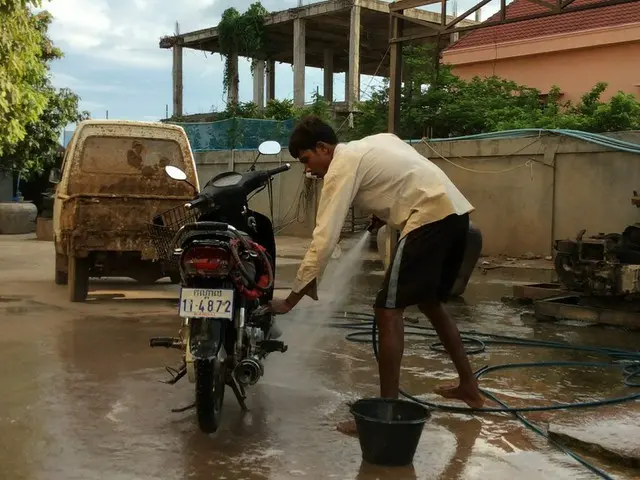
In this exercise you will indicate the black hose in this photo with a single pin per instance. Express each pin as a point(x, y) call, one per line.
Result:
point(366, 332)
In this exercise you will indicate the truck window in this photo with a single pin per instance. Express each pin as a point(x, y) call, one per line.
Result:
point(128, 165)
point(129, 156)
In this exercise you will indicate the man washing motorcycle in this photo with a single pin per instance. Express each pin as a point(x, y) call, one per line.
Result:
point(389, 178)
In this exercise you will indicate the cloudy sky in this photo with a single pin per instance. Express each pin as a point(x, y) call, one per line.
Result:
point(112, 59)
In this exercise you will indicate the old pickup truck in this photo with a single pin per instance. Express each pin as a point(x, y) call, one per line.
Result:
point(111, 183)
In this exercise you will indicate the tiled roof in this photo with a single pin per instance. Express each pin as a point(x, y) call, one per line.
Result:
point(541, 27)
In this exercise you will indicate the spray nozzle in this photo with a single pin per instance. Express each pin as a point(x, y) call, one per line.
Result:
point(374, 223)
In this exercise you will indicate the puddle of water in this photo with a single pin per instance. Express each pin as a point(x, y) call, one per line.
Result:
point(84, 402)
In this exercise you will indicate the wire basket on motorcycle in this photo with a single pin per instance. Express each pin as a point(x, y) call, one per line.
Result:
point(164, 227)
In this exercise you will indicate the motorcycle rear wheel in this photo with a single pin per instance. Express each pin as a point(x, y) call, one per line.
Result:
point(210, 387)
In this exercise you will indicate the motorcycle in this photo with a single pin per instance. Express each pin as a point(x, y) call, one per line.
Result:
point(225, 255)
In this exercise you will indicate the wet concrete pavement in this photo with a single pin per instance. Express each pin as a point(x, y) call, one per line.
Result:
point(82, 399)
point(601, 435)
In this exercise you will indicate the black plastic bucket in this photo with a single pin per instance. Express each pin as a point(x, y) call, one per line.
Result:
point(389, 430)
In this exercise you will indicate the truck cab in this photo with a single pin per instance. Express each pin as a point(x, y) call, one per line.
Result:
point(111, 183)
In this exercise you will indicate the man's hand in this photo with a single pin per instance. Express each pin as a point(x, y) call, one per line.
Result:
point(374, 223)
point(279, 306)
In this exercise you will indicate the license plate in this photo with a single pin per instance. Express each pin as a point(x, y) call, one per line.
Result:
point(206, 303)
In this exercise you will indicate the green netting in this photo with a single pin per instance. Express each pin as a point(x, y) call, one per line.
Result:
point(236, 133)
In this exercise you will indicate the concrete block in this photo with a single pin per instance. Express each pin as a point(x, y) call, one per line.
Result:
point(17, 218)
point(44, 229)
point(610, 433)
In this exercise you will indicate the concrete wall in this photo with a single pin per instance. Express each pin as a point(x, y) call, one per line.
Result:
point(578, 61)
point(288, 187)
point(529, 191)
point(526, 191)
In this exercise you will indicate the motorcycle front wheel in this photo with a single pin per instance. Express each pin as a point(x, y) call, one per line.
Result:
point(210, 386)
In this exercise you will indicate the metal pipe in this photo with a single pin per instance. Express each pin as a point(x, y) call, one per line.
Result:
point(240, 329)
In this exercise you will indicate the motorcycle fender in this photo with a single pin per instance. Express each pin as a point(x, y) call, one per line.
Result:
point(205, 342)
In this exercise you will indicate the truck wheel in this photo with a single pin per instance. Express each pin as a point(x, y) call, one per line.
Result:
point(61, 276)
point(78, 279)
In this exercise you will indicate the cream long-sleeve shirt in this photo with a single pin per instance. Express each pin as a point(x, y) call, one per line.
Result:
point(385, 176)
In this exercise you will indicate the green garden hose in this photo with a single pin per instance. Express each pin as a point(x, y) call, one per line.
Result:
point(628, 362)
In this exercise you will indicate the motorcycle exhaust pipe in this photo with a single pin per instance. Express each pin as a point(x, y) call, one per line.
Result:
point(249, 371)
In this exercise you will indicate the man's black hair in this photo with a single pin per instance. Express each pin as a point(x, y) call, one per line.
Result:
point(308, 132)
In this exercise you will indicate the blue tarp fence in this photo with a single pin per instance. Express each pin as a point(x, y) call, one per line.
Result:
point(236, 133)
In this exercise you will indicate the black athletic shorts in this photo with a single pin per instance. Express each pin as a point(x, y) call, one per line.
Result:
point(426, 264)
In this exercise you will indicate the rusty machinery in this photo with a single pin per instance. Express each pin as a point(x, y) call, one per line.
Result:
point(602, 264)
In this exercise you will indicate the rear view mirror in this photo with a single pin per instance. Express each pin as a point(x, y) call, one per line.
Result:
point(55, 176)
point(270, 147)
point(175, 173)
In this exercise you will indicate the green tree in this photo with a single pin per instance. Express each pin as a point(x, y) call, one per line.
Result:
point(242, 34)
point(318, 107)
point(437, 103)
point(22, 70)
point(279, 109)
point(35, 149)
point(38, 151)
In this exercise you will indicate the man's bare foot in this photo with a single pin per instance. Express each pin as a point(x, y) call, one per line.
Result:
point(348, 428)
point(470, 395)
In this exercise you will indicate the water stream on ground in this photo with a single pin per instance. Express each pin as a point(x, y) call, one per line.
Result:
point(333, 293)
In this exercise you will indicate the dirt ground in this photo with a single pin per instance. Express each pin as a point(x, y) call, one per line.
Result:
point(82, 399)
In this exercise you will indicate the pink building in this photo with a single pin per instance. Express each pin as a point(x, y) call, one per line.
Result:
point(573, 51)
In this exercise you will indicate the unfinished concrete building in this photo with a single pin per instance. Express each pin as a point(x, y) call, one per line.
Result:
point(350, 36)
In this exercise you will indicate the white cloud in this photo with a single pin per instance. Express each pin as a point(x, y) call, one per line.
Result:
point(79, 24)
point(112, 49)
point(121, 31)
point(141, 4)
point(127, 32)
point(64, 80)
point(90, 105)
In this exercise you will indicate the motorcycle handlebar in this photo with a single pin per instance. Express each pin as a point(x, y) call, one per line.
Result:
point(196, 202)
point(203, 198)
point(277, 170)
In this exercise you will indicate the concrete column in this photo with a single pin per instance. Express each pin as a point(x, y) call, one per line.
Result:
point(299, 61)
point(395, 75)
point(354, 59)
point(271, 80)
point(177, 80)
point(328, 75)
point(258, 84)
point(232, 94)
point(346, 87)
